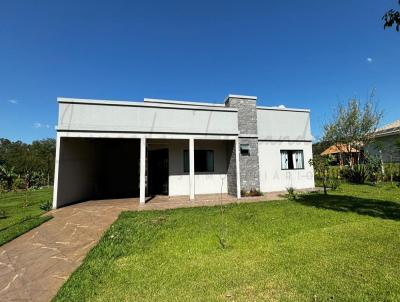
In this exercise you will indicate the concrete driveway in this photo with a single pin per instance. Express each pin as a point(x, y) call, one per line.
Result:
point(35, 265)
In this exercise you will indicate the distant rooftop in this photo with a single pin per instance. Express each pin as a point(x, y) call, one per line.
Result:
point(392, 128)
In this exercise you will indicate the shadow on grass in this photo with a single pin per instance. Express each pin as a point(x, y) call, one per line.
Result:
point(363, 206)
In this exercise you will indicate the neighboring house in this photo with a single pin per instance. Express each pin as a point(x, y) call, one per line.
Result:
point(336, 152)
point(386, 143)
point(114, 149)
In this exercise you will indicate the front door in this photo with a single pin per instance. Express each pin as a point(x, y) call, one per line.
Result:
point(158, 172)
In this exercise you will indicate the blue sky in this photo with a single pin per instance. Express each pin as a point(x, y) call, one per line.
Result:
point(307, 54)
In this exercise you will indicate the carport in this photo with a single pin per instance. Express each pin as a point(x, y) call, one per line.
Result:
point(98, 168)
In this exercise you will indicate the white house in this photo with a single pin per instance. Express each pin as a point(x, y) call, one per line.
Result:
point(114, 149)
point(386, 143)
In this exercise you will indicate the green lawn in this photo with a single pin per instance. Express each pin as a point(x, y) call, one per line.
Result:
point(21, 216)
point(344, 247)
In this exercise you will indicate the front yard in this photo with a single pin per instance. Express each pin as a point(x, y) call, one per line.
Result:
point(344, 247)
point(20, 213)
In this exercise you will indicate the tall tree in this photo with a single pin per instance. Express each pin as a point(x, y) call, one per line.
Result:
point(352, 126)
point(28, 160)
point(392, 17)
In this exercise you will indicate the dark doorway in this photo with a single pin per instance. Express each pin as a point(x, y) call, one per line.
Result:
point(158, 172)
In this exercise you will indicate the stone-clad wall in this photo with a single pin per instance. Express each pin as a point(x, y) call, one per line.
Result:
point(247, 114)
point(247, 124)
point(249, 166)
point(231, 172)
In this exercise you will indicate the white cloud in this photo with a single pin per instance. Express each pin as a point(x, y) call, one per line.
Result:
point(13, 101)
point(38, 125)
point(281, 106)
point(369, 60)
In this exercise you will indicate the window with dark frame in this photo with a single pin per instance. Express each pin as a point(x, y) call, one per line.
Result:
point(292, 159)
point(245, 149)
point(203, 160)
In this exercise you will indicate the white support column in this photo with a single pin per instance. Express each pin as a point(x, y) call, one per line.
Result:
point(56, 169)
point(237, 152)
point(142, 170)
point(191, 168)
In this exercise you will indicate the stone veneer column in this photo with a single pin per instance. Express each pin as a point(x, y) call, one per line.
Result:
point(247, 124)
point(232, 171)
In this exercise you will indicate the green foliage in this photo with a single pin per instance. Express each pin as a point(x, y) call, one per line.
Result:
point(352, 126)
point(373, 165)
point(32, 162)
point(369, 170)
point(253, 192)
point(321, 168)
point(291, 193)
point(7, 175)
point(355, 174)
point(36, 179)
point(334, 183)
point(392, 17)
point(46, 206)
point(18, 184)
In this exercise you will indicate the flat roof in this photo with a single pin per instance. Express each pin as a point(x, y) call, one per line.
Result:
point(149, 104)
point(163, 101)
point(282, 109)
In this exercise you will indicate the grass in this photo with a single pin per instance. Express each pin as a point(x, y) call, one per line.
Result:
point(21, 216)
point(343, 247)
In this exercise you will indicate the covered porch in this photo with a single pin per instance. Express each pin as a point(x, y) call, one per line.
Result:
point(148, 168)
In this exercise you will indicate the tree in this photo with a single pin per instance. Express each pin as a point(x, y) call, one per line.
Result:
point(392, 17)
point(321, 167)
point(30, 161)
point(43, 152)
point(352, 126)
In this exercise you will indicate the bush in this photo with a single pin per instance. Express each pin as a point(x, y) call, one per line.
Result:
point(37, 180)
point(356, 174)
point(46, 206)
point(291, 193)
point(334, 184)
point(18, 184)
point(3, 186)
point(251, 193)
point(392, 172)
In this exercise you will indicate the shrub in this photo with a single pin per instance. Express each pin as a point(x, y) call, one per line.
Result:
point(18, 184)
point(291, 193)
point(255, 192)
point(3, 186)
point(251, 193)
point(334, 184)
point(46, 206)
point(392, 172)
point(356, 174)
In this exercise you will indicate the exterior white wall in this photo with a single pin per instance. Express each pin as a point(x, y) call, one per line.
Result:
point(77, 170)
point(84, 115)
point(390, 152)
point(272, 177)
point(205, 183)
point(283, 124)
